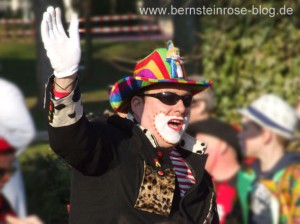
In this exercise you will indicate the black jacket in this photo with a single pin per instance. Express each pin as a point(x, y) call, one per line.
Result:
point(115, 179)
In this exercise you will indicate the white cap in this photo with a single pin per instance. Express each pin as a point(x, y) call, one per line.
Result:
point(272, 112)
point(16, 124)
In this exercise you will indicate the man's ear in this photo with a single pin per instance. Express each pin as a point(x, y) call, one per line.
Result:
point(137, 106)
point(202, 106)
point(224, 147)
point(267, 135)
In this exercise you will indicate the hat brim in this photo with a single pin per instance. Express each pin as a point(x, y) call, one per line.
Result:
point(252, 117)
point(123, 90)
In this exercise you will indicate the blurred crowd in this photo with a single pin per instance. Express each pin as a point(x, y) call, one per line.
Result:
point(254, 174)
point(247, 164)
point(256, 178)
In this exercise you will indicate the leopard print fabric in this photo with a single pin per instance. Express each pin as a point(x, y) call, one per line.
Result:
point(156, 191)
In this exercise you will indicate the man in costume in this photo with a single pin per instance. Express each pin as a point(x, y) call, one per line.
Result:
point(138, 169)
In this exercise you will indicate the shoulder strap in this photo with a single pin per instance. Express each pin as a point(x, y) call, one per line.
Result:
point(278, 175)
point(244, 180)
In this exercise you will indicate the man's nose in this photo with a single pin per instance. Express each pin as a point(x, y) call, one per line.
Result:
point(180, 106)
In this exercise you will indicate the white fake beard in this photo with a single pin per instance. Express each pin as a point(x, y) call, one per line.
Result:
point(168, 134)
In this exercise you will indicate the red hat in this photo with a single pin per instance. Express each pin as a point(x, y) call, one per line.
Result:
point(5, 146)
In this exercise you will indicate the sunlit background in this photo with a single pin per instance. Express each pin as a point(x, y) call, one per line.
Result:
point(244, 55)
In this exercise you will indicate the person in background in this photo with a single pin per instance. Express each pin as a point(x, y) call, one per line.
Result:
point(223, 163)
point(224, 152)
point(7, 156)
point(7, 168)
point(140, 169)
point(203, 102)
point(298, 112)
point(270, 190)
point(17, 127)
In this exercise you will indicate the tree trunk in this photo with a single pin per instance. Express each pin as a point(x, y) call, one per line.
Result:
point(113, 6)
point(88, 70)
point(43, 67)
point(186, 28)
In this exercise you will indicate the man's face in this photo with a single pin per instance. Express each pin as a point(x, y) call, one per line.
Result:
point(5, 168)
point(198, 107)
point(251, 137)
point(166, 122)
point(214, 150)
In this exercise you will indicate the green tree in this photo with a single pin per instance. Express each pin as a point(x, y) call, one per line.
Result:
point(248, 55)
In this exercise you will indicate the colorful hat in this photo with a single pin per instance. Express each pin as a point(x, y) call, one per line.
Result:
point(163, 65)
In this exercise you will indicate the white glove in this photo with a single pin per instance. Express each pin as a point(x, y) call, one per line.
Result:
point(63, 51)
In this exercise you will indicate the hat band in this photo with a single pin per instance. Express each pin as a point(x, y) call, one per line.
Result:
point(266, 120)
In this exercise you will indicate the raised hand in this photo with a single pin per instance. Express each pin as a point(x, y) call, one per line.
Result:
point(63, 51)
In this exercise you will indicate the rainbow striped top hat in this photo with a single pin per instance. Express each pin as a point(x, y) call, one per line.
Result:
point(163, 65)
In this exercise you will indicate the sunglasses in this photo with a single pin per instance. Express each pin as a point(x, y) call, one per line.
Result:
point(169, 98)
point(246, 125)
point(9, 171)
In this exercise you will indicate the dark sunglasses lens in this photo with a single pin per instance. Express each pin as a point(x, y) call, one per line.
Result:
point(187, 100)
point(168, 98)
point(172, 98)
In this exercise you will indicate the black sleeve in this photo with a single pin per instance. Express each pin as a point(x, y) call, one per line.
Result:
point(86, 146)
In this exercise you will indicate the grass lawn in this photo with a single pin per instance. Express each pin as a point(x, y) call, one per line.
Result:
point(47, 178)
